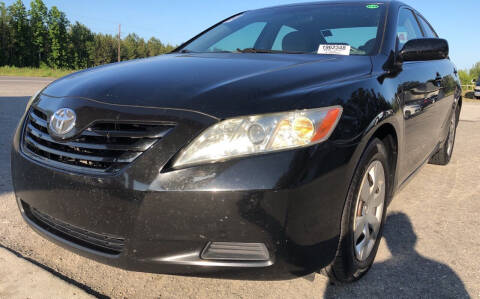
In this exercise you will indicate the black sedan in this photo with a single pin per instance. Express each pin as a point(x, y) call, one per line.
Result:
point(269, 146)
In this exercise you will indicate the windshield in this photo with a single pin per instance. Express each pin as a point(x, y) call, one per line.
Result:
point(478, 82)
point(346, 29)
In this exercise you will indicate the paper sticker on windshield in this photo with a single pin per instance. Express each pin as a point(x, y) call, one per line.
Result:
point(334, 49)
point(403, 37)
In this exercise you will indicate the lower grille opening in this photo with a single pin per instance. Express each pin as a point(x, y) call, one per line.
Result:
point(108, 244)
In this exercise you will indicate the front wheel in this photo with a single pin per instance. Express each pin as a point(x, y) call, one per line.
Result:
point(363, 217)
point(444, 154)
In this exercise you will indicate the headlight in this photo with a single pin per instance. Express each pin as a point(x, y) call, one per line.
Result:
point(257, 134)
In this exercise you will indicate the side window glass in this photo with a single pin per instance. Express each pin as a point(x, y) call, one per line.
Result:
point(284, 30)
point(243, 38)
point(407, 28)
point(427, 28)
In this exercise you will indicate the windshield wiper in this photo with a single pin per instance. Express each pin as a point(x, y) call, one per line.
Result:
point(265, 51)
point(190, 51)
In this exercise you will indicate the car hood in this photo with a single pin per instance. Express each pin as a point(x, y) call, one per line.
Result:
point(221, 85)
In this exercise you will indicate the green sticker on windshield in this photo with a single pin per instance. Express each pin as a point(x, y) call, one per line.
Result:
point(373, 6)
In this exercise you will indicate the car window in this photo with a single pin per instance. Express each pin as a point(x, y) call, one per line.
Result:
point(278, 43)
point(356, 37)
point(245, 37)
point(352, 29)
point(427, 29)
point(407, 28)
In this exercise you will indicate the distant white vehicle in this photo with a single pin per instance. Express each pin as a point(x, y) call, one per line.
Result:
point(411, 110)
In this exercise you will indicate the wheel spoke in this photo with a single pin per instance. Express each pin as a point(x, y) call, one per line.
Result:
point(360, 247)
point(360, 226)
point(378, 198)
point(365, 242)
point(374, 223)
point(377, 174)
point(365, 191)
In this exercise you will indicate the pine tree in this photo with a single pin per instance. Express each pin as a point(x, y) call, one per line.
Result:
point(4, 35)
point(19, 46)
point(38, 22)
point(81, 46)
point(57, 32)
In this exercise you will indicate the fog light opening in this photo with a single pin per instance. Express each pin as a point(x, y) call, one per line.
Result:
point(235, 251)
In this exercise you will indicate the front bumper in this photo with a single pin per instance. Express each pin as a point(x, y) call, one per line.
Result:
point(290, 201)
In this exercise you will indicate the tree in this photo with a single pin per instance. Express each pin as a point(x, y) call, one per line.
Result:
point(4, 35)
point(38, 23)
point(82, 46)
point(475, 71)
point(105, 49)
point(465, 78)
point(41, 36)
point(57, 32)
point(154, 47)
point(19, 46)
point(142, 49)
point(129, 47)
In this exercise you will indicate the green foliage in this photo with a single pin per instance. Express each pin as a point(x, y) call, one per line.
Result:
point(475, 71)
point(82, 44)
point(467, 76)
point(464, 77)
point(57, 31)
point(4, 34)
point(43, 38)
point(38, 23)
point(19, 46)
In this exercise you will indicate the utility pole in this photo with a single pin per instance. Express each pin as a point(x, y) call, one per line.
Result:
point(119, 41)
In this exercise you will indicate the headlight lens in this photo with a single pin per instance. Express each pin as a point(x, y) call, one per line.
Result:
point(256, 134)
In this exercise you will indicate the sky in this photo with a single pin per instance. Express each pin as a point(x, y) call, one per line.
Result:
point(177, 21)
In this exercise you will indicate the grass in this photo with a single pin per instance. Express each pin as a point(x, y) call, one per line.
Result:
point(33, 72)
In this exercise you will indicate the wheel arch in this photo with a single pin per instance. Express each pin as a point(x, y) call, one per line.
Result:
point(388, 135)
point(389, 132)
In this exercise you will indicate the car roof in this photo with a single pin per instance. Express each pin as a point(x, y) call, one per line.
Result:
point(336, 2)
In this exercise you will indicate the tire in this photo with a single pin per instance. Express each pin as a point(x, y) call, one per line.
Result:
point(349, 265)
point(444, 154)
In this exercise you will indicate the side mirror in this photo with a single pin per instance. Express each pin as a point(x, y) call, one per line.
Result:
point(424, 49)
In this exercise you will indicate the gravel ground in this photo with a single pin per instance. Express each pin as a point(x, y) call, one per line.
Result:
point(430, 248)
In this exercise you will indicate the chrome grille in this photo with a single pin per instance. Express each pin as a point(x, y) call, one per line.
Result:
point(104, 147)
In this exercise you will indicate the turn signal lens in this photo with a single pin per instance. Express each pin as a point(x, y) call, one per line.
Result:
point(328, 122)
point(256, 134)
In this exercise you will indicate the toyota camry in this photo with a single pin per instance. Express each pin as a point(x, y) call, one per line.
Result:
point(268, 146)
